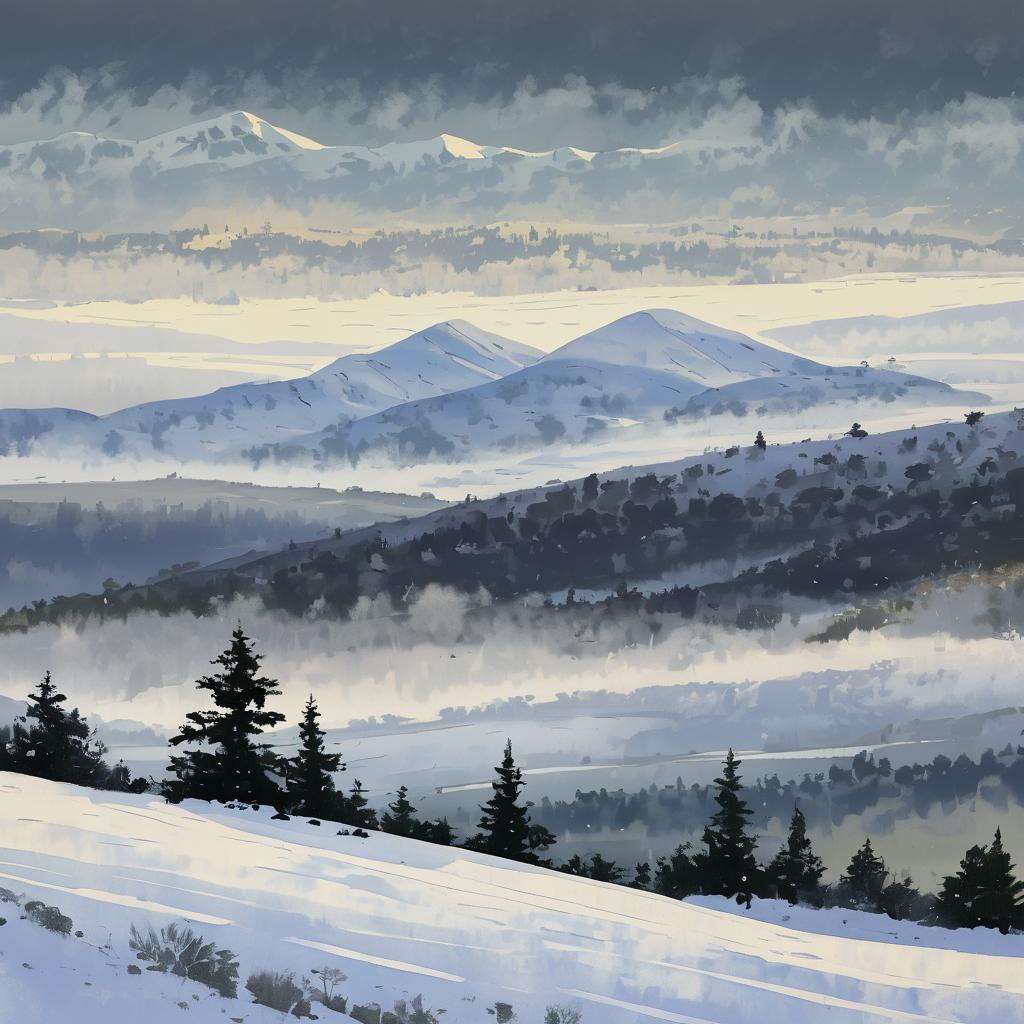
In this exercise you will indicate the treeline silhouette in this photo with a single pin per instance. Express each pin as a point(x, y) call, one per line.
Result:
point(87, 545)
point(826, 798)
point(853, 531)
point(225, 757)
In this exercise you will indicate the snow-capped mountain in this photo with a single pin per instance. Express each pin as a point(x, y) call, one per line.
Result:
point(453, 392)
point(668, 341)
point(397, 918)
point(446, 357)
point(81, 180)
point(632, 371)
point(241, 139)
point(449, 356)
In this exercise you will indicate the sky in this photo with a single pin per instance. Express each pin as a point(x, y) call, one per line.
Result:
point(596, 73)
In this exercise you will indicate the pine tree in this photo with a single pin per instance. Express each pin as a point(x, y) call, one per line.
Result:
point(602, 870)
point(760, 442)
point(677, 875)
point(53, 743)
point(984, 892)
point(730, 868)
point(505, 829)
point(399, 819)
point(575, 865)
point(353, 809)
point(796, 870)
point(641, 876)
point(311, 791)
point(865, 877)
point(439, 832)
point(233, 766)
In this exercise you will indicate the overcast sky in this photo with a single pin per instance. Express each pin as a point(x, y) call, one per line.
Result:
point(537, 73)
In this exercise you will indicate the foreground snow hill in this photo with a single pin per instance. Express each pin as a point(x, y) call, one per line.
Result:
point(401, 918)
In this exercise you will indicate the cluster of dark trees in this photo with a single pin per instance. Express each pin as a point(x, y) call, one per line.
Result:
point(853, 534)
point(89, 545)
point(983, 892)
point(56, 743)
point(826, 798)
point(226, 758)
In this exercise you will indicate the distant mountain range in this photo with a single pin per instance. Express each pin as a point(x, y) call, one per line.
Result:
point(243, 140)
point(80, 180)
point(453, 391)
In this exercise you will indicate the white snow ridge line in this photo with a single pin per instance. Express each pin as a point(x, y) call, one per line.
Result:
point(119, 900)
point(377, 961)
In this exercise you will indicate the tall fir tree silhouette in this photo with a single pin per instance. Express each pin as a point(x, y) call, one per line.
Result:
point(729, 865)
point(56, 744)
point(400, 817)
point(505, 828)
point(311, 790)
point(984, 892)
point(796, 870)
point(233, 764)
point(865, 877)
point(760, 442)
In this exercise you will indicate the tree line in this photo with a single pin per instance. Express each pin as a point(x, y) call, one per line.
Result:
point(224, 757)
point(826, 798)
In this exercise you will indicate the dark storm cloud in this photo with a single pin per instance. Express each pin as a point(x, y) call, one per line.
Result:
point(845, 56)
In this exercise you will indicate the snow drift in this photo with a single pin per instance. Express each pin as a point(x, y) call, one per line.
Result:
point(401, 918)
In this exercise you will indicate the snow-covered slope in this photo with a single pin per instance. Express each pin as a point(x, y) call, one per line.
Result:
point(446, 357)
point(401, 918)
point(953, 452)
point(631, 371)
point(456, 392)
point(669, 341)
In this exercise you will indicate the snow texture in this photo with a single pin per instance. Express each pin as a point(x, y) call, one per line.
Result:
point(401, 918)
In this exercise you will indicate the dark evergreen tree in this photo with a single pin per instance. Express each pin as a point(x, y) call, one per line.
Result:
point(641, 876)
point(864, 879)
point(353, 809)
point(310, 772)
point(796, 870)
point(400, 818)
point(575, 865)
point(984, 892)
point(728, 867)
point(599, 869)
point(902, 900)
point(602, 870)
point(53, 743)
point(760, 442)
point(439, 832)
point(231, 765)
point(677, 875)
point(505, 828)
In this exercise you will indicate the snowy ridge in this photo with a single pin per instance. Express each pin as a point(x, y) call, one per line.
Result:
point(672, 342)
point(453, 391)
point(241, 138)
point(400, 918)
point(630, 372)
point(446, 357)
